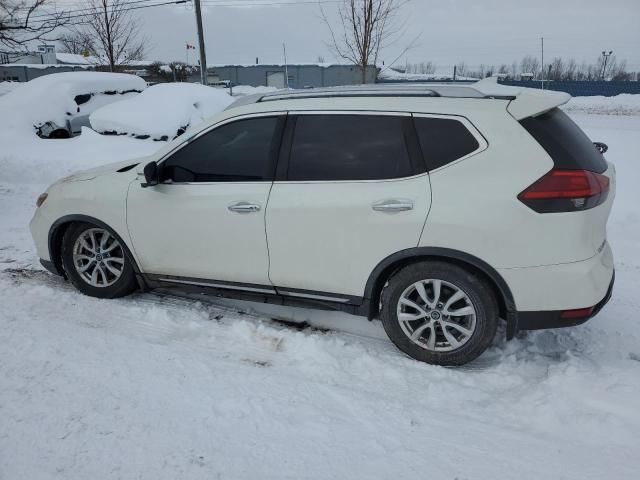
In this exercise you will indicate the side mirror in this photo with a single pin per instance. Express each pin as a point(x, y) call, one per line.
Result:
point(151, 174)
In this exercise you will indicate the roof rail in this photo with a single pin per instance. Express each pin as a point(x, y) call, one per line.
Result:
point(375, 90)
point(358, 91)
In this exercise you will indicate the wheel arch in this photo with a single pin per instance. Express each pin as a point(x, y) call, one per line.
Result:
point(60, 226)
point(387, 267)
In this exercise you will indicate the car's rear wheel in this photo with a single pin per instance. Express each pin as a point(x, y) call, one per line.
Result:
point(439, 313)
point(96, 261)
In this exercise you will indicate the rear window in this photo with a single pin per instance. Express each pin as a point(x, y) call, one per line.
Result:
point(565, 142)
point(444, 140)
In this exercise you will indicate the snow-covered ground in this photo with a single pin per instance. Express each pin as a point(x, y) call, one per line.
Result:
point(161, 387)
point(6, 87)
point(624, 104)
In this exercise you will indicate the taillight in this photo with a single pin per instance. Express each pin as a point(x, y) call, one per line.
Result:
point(566, 191)
point(577, 313)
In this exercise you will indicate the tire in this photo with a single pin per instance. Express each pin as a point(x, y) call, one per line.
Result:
point(447, 334)
point(101, 251)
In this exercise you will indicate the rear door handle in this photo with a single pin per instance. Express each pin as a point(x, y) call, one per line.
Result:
point(244, 207)
point(392, 206)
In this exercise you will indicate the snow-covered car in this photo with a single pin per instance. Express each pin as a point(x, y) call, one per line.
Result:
point(59, 105)
point(162, 112)
point(439, 210)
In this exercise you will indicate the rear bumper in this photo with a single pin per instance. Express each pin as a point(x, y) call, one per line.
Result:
point(554, 319)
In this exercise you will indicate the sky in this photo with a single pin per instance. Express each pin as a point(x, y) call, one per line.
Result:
point(447, 31)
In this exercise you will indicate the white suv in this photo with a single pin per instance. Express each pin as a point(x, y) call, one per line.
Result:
point(438, 210)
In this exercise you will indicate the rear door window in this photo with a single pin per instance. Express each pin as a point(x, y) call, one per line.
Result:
point(564, 141)
point(349, 147)
point(444, 140)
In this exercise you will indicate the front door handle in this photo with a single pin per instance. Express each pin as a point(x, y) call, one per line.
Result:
point(244, 207)
point(392, 206)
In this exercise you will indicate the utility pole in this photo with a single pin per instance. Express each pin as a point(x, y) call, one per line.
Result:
point(605, 56)
point(542, 66)
point(286, 69)
point(203, 55)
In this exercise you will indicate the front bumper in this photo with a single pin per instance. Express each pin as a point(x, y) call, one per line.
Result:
point(554, 319)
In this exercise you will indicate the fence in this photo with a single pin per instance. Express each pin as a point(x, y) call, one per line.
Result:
point(575, 89)
point(581, 89)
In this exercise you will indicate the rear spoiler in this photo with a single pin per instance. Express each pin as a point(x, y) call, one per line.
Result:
point(528, 102)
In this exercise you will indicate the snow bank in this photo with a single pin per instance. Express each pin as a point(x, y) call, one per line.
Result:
point(50, 98)
point(162, 112)
point(624, 104)
point(28, 159)
point(390, 74)
point(6, 87)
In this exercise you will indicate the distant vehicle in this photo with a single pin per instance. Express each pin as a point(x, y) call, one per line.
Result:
point(219, 83)
point(162, 112)
point(58, 105)
point(439, 210)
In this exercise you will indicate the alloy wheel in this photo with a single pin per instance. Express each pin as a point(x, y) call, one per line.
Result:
point(98, 257)
point(436, 315)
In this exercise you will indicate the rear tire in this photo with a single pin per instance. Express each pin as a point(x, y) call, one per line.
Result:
point(439, 313)
point(96, 262)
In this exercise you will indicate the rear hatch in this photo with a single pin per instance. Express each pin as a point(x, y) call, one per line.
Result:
point(581, 185)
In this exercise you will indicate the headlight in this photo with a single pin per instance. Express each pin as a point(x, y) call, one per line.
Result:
point(41, 199)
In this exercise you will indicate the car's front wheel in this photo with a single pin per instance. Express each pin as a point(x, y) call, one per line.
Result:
point(439, 313)
point(96, 262)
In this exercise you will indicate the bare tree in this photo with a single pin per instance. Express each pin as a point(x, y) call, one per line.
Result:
point(570, 70)
point(23, 21)
point(461, 69)
point(556, 69)
point(114, 33)
point(78, 43)
point(367, 27)
point(530, 64)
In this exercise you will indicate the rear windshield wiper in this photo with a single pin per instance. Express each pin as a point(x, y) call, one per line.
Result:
point(602, 147)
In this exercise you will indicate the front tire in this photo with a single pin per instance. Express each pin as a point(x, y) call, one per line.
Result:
point(439, 313)
point(96, 262)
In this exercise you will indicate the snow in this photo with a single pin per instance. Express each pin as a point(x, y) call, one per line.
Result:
point(44, 66)
point(162, 111)
point(390, 74)
point(51, 97)
point(624, 104)
point(165, 387)
point(6, 87)
point(75, 59)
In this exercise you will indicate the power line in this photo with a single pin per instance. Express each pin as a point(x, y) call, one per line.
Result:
point(257, 3)
point(91, 10)
point(95, 12)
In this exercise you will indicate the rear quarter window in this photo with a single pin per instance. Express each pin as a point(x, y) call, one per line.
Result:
point(564, 141)
point(443, 140)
